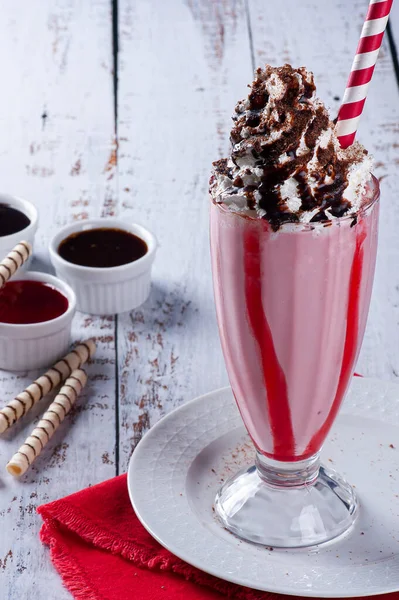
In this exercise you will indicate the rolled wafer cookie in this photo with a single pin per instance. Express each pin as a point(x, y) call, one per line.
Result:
point(20, 405)
point(48, 424)
point(13, 261)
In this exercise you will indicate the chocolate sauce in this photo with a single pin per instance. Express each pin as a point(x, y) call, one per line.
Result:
point(25, 302)
point(103, 247)
point(304, 191)
point(12, 220)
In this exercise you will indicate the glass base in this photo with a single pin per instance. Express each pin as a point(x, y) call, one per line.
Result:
point(287, 505)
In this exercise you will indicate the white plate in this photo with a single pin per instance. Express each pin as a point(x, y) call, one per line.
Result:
point(178, 466)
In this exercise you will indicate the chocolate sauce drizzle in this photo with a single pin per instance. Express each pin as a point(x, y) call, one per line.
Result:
point(264, 132)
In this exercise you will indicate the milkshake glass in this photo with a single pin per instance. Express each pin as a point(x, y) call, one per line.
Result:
point(292, 307)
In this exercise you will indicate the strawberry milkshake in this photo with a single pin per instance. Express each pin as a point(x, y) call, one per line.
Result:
point(294, 224)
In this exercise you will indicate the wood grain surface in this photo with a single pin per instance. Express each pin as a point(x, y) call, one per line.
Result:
point(86, 132)
point(57, 137)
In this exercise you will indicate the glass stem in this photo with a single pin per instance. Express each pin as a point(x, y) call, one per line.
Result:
point(288, 474)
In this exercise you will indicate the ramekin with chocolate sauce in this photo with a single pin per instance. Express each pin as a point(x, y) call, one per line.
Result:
point(36, 312)
point(107, 262)
point(18, 221)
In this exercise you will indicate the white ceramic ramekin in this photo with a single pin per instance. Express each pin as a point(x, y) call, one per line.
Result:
point(37, 345)
point(111, 290)
point(8, 242)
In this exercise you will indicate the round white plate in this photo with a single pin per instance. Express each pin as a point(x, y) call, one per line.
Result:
point(181, 462)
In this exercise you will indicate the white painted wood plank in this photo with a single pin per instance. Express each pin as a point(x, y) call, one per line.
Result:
point(183, 65)
point(394, 21)
point(394, 29)
point(59, 63)
point(324, 39)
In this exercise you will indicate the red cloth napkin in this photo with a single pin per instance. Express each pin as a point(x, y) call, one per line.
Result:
point(102, 552)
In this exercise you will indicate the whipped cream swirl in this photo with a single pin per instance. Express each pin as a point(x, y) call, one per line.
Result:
point(286, 163)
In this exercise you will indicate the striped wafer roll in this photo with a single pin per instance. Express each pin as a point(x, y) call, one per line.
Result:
point(13, 261)
point(52, 418)
point(362, 70)
point(20, 405)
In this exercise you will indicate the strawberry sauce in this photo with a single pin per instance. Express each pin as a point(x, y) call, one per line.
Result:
point(276, 393)
point(26, 302)
point(352, 345)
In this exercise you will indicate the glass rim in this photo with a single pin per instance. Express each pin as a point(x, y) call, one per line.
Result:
point(364, 208)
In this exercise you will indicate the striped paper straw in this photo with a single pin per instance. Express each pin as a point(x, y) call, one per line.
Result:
point(362, 70)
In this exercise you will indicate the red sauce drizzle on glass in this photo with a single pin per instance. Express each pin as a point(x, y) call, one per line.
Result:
point(276, 396)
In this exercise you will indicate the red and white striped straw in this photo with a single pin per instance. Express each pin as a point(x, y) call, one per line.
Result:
point(362, 70)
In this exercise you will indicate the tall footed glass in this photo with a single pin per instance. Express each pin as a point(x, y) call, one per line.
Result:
point(292, 307)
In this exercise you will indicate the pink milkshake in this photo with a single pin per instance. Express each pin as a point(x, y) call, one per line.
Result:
point(294, 222)
point(292, 307)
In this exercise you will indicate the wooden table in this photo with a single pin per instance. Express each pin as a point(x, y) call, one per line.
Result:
point(119, 110)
